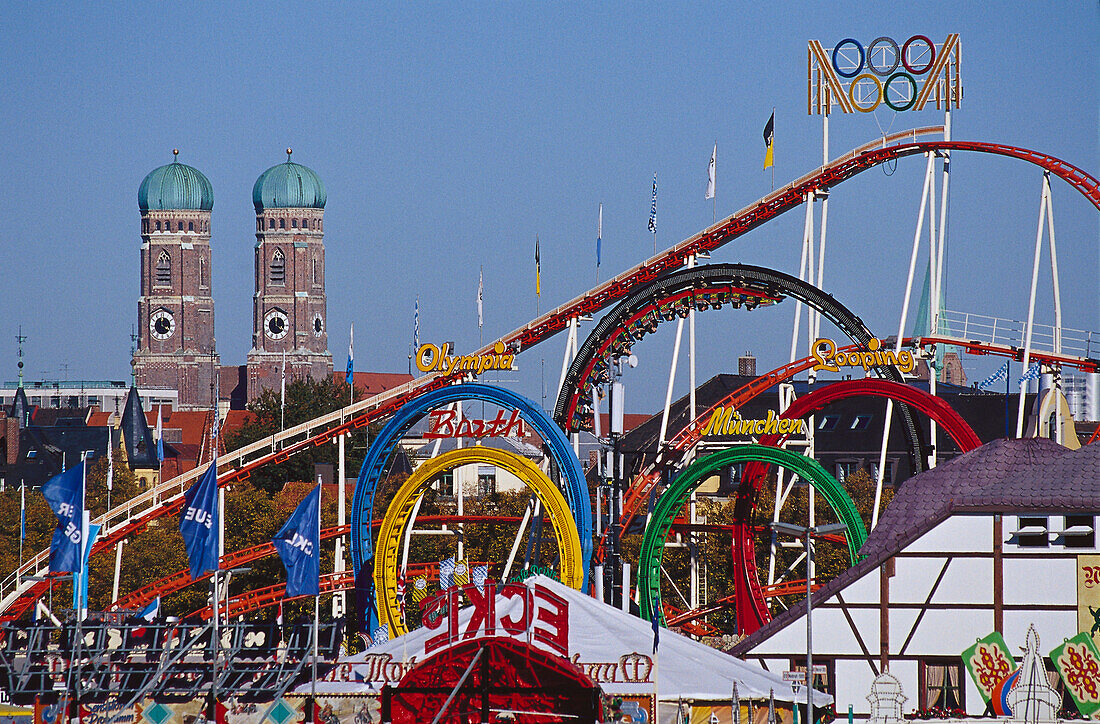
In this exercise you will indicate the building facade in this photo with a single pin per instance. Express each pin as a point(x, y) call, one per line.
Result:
point(175, 340)
point(995, 540)
point(289, 317)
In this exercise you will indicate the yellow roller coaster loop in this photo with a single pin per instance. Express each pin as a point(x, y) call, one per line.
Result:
point(400, 510)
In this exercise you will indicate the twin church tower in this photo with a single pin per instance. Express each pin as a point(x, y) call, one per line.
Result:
point(175, 345)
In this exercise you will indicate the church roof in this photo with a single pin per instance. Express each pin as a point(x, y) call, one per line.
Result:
point(141, 449)
point(175, 186)
point(288, 186)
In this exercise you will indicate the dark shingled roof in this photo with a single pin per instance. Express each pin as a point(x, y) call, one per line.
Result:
point(1033, 475)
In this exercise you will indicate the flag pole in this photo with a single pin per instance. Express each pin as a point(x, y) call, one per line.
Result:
point(773, 151)
point(316, 617)
point(599, 241)
point(714, 197)
point(23, 523)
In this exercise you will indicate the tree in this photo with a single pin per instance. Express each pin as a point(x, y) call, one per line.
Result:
point(306, 399)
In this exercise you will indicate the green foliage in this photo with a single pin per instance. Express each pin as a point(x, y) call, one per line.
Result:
point(306, 399)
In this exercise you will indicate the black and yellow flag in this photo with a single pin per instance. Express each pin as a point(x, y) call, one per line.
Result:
point(538, 269)
point(769, 138)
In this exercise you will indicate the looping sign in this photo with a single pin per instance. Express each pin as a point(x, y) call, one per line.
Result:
point(902, 76)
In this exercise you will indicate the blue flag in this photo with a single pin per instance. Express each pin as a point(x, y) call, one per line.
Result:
point(81, 602)
point(65, 494)
point(350, 376)
point(299, 545)
point(656, 624)
point(199, 522)
point(151, 611)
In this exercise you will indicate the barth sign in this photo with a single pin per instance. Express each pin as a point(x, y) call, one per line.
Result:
point(448, 423)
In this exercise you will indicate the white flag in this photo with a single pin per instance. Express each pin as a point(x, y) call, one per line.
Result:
point(110, 461)
point(479, 292)
point(710, 172)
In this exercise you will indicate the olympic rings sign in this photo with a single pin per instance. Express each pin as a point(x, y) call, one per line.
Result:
point(884, 71)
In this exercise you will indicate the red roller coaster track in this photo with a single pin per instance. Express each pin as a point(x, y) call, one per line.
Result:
point(554, 321)
point(752, 613)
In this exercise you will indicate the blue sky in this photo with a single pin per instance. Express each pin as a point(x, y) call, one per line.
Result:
point(448, 135)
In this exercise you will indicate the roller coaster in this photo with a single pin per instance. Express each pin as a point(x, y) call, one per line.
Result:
point(643, 297)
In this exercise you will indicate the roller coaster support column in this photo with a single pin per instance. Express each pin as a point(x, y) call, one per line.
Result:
point(567, 359)
point(1046, 212)
point(901, 334)
point(612, 572)
point(339, 604)
point(936, 265)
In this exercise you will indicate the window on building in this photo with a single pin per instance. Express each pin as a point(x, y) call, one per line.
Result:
point(1032, 532)
point(888, 478)
point(316, 278)
point(828, 423)
point(1080, 531)
point(158, 226)
point(845, 469)
point(486, 481)
point(822, 681)
point(294, 223)
point(164, 269)
point(860, 422)
point(941, 685)
point(271, 223)
point(190, 225)
point(278, 267)
point(202, 272)
point(282, 223)
point(446, 484)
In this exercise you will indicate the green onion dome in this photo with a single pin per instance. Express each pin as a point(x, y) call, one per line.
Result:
point(176, 186)
point(288, 186)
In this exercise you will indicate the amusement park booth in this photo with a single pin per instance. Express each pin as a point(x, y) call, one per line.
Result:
point(568, 637)
point(996, 540)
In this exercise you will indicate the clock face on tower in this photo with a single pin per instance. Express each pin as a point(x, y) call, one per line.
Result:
point(276, 324)
point(161, 324)
point(318, 325)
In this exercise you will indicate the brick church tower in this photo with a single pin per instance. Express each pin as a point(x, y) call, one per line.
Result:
point(289, 315)
point(175, 346)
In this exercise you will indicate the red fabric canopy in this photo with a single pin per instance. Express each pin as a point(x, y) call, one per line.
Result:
point(511, 681)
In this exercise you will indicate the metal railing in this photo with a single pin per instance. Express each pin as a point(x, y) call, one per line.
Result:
point(1012, 333)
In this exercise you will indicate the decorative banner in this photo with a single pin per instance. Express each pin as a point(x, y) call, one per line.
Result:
point(430, 358)
point(1088, 596)
point(989, 663)
point(861, 78)
point(1077, 661)
point(419, 589)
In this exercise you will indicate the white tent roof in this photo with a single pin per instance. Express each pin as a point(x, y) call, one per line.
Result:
point(614, 648)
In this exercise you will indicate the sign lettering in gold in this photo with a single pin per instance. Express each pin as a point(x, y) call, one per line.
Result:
point(830, 358)
point(727, 421)
point(432, 358)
